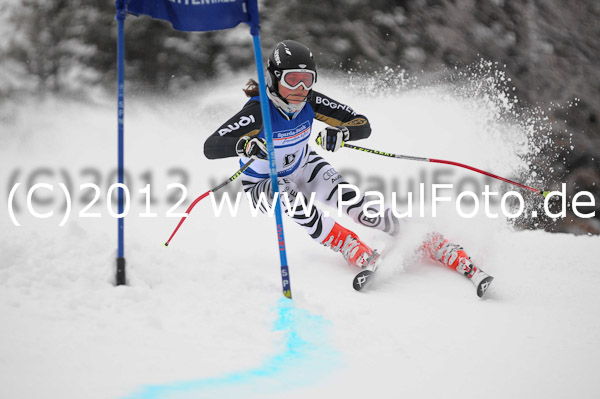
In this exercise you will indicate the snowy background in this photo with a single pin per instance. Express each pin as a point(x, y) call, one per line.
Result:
point(205, 318)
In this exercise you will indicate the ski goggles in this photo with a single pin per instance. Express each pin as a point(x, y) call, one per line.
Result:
point(294, 78)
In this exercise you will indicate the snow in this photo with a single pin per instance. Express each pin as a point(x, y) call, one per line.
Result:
point(206, 317)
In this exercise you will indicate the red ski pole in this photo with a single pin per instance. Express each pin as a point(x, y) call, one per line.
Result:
point(411, 158)
point(200, 198)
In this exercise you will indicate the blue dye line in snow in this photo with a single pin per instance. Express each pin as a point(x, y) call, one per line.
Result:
point(306, 359)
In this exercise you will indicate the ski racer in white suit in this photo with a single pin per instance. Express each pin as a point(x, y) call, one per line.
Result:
point(294, 105)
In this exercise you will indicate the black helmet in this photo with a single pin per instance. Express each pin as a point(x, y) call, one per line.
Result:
point(288, 54)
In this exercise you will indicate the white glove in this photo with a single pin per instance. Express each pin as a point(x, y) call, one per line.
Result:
point(332, 138)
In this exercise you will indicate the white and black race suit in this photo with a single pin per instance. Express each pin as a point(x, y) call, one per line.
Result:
point(300, 168)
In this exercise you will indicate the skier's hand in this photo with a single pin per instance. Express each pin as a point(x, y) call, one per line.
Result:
point(252, 147)
point(332, 138)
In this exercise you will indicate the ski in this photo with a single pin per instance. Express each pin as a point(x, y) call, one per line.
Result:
point(480, 279)
point(364, 276)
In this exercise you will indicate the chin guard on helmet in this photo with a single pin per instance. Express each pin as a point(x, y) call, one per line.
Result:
point(290, 111)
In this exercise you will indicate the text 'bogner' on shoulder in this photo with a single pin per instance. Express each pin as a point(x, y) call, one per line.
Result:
point(333, 105)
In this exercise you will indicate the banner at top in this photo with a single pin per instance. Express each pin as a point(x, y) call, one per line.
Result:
point(195, 15)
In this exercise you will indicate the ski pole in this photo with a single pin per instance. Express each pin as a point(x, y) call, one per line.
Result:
point(200, 198)
point(412, 158)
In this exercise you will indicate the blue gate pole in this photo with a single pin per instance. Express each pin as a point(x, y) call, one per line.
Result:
point(120, 16)
point(266, 115)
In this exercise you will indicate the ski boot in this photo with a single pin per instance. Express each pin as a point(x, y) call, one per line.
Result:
point(454, 257)
point(356, 252)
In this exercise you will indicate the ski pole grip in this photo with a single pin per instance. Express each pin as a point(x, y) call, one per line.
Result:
point(318, 141)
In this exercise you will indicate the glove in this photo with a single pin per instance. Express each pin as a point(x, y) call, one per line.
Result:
point(252, 147)
point(332, 138)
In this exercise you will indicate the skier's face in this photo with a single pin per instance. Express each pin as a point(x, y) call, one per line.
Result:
point(293, 96)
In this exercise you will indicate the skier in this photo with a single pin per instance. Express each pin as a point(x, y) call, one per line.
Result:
point(294, 105)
